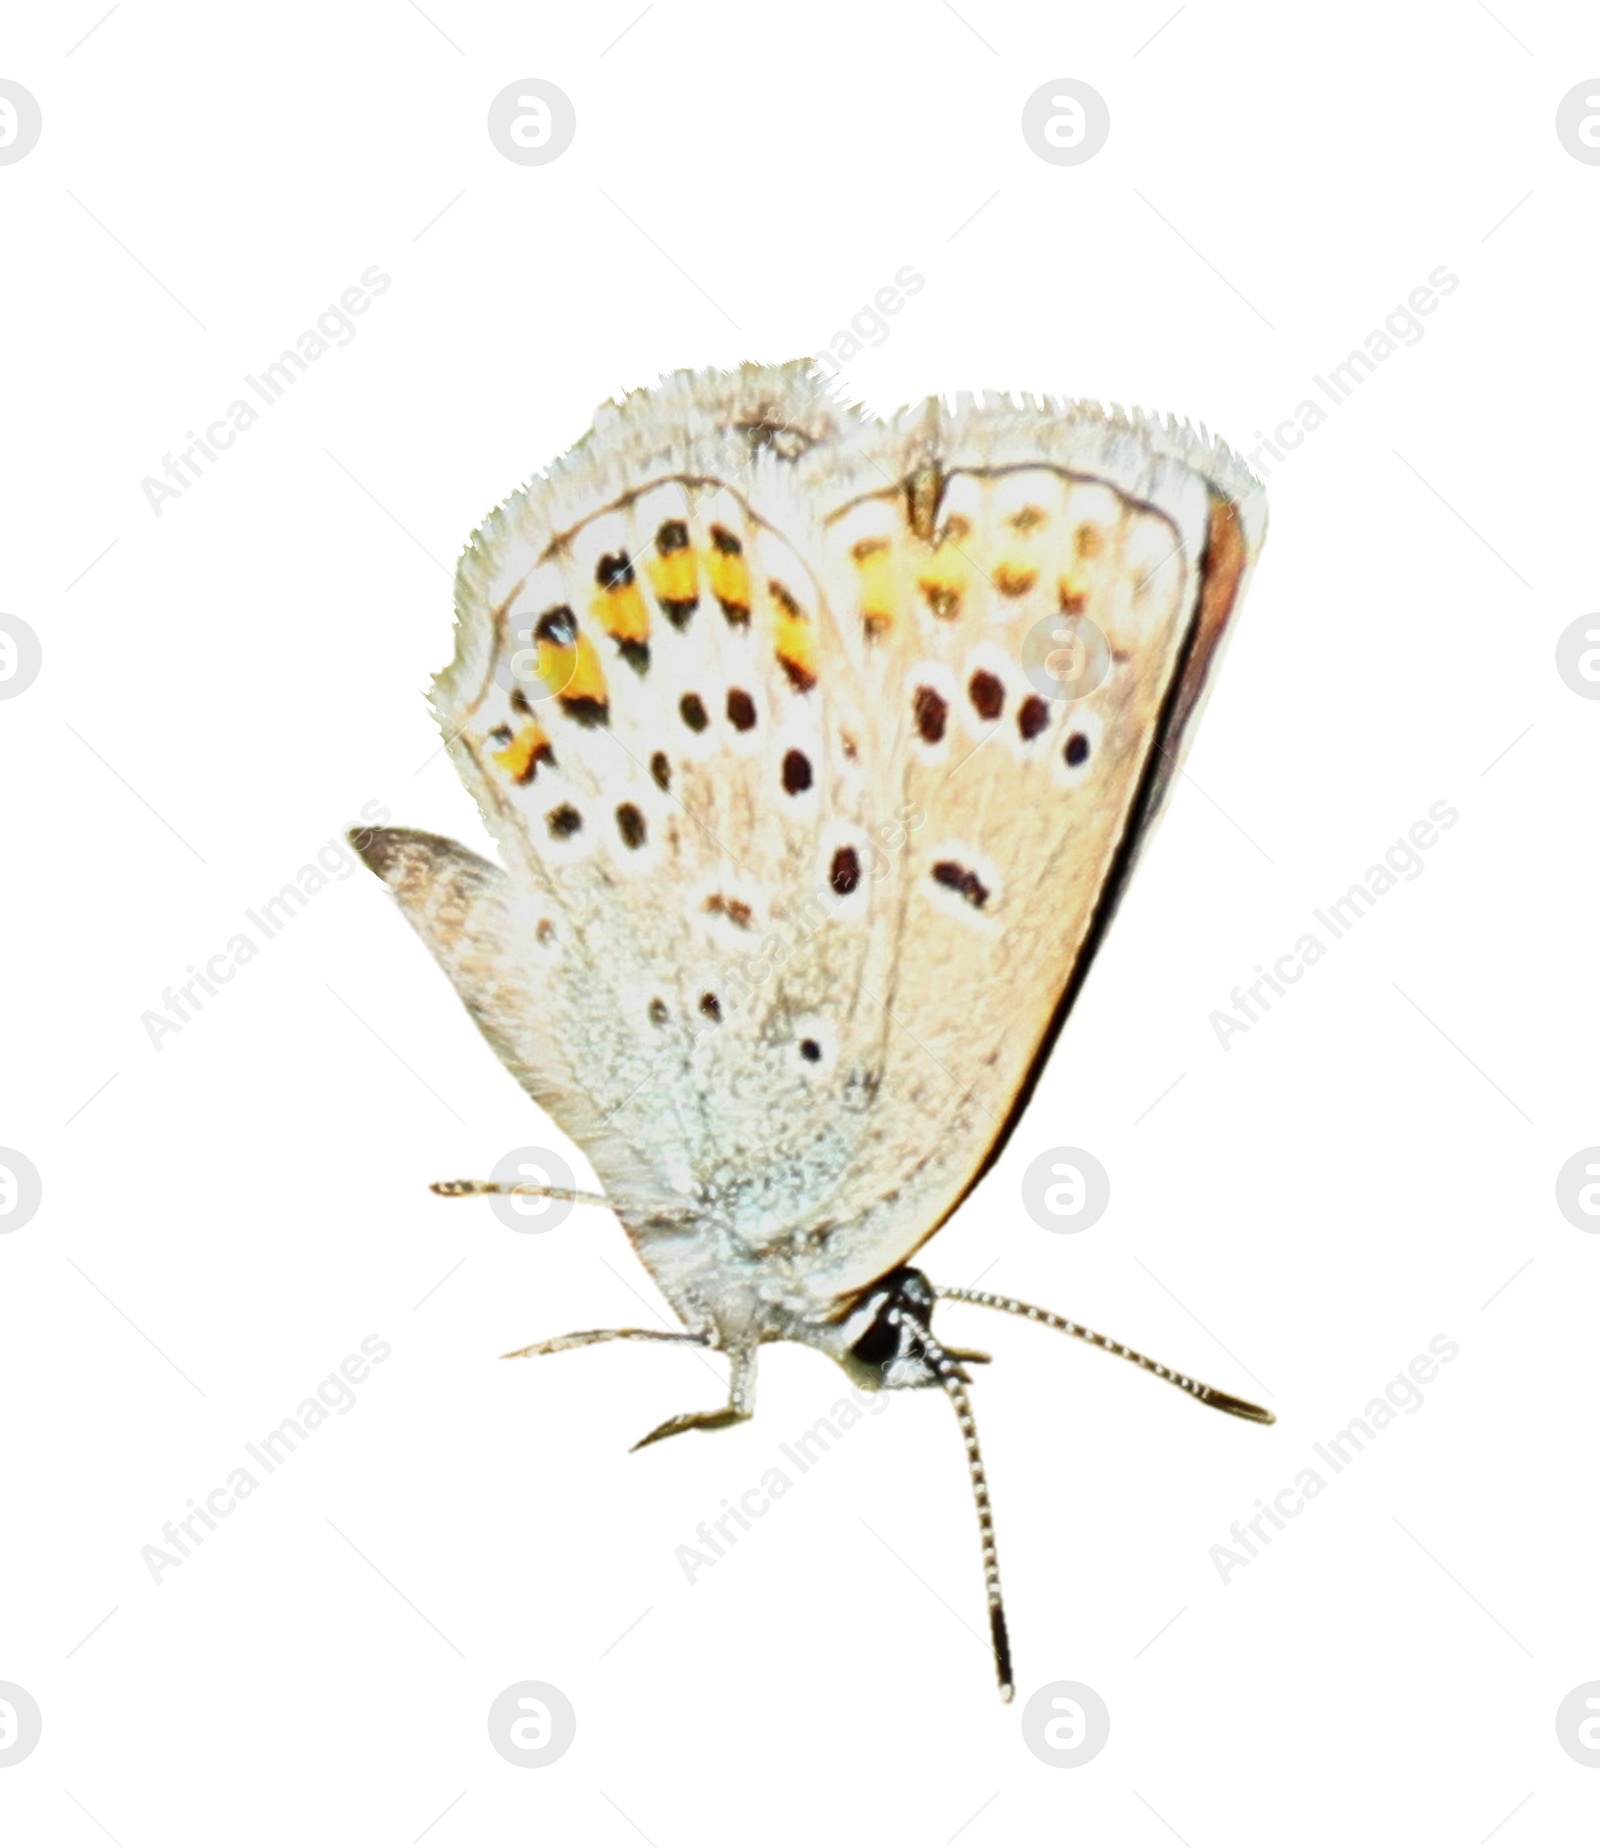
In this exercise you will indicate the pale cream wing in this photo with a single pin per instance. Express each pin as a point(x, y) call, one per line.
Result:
point(972, 546)
point(809, 868)
point(492, 938)
point(648, 705)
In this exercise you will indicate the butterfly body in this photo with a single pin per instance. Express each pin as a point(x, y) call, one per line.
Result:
point(817, 752)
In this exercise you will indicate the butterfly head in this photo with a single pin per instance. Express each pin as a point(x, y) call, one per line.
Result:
point(880, 1341)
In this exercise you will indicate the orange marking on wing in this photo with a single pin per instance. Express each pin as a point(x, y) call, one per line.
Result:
point(875, 574)
point(729, 574)
point(673, 577)
point(796, 642)
point(1014, 580)
point(944, 583)
point(621, 612)
point(522, 757)
point(574, 670)
point(1073, 591)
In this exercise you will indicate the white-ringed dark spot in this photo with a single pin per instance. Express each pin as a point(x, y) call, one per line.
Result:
point(1033, 715)
point(963, 880)
point(987, 694)
point(930, 710)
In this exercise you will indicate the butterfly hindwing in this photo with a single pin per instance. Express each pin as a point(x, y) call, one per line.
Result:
point(493, 941)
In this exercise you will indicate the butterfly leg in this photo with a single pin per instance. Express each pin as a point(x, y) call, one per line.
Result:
point(741, 1403)
point(461, 1190)
point(587, 1337)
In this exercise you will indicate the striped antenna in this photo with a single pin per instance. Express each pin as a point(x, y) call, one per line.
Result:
point(1213, 1396)
point(954, 1383)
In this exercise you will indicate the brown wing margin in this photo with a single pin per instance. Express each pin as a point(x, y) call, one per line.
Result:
point(1222, 572)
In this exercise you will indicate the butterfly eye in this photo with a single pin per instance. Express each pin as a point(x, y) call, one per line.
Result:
point(810, 1051)
point(889, 1348)
point(881, 1341)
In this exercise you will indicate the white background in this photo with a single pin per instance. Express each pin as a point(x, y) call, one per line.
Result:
point(1365, 1169)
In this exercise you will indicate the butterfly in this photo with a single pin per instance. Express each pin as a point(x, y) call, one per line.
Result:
point(817, 750)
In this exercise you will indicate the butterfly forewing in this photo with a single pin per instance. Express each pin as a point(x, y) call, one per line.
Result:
point(816, 750)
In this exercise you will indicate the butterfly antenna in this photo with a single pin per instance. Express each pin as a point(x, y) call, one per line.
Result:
point(1197, 1389)
point(946, 1367)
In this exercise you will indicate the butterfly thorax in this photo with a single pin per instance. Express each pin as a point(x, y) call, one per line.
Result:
point(737, 1286)
point(739, 1297)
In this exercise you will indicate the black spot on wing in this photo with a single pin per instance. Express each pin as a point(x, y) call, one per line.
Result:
point(962, 879)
